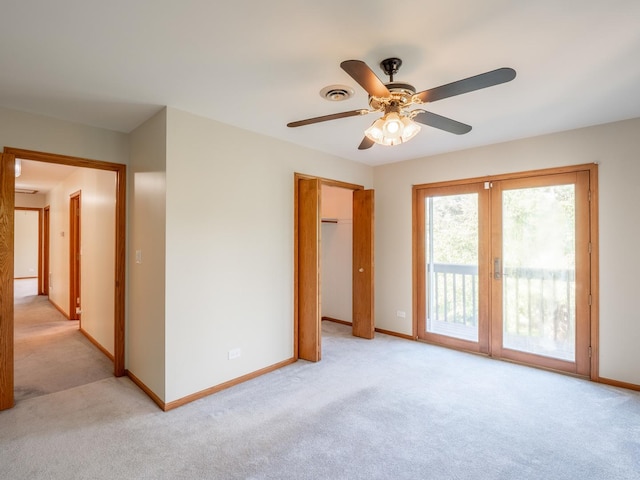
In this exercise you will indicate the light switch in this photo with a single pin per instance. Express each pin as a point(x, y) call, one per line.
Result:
point(138, 256)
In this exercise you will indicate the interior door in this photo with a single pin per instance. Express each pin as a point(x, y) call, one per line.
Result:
point(74, 257)
point(540, 282)
point(363, 264)
point(7, 204)
point(309, 325)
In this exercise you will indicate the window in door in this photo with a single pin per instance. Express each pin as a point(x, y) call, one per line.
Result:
point(503, 266)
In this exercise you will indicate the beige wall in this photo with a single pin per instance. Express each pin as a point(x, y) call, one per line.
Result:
point(36, 200)
point(147, 231)
point(616, 147)
point(337, 253)
point(97, 235)
point(229, 277)
point(46, 134)
point(25, 251)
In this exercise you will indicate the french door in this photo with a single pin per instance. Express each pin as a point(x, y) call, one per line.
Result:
point(503, 267)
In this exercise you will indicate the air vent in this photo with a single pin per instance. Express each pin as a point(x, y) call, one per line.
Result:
point(336, 93)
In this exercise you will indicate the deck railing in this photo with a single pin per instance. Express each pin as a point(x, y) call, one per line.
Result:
point(536, 301)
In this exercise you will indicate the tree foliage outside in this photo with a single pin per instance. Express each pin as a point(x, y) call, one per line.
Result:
point(538, 227)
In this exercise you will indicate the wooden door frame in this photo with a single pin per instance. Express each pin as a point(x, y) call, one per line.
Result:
point(594, 273)
point(7, 193)
point(296, 274)
point(75, 248)
point(39, 210)
point(46, 242)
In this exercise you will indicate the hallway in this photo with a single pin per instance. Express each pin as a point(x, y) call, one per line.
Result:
point(51, 354)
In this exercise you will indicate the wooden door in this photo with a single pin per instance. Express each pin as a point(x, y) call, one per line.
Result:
point(74, 257)
point(7, 204)
point(46, 240)
point(363, 264)
point(309, 325)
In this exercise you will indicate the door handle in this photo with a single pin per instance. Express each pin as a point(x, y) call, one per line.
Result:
point(361, 269)
point(497, 268)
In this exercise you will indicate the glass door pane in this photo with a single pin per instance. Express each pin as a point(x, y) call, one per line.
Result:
point(451, 265)
point(539, 271)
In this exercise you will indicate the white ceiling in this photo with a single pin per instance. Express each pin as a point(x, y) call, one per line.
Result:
point(259, 65)
point(42, 177)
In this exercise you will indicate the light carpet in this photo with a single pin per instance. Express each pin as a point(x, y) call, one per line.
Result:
point(381, 409)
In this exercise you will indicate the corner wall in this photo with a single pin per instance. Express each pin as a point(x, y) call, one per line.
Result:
point(229, 277)
point(146, 263)
point(615, 146)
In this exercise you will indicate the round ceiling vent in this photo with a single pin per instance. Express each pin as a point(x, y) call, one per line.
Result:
point(336, 93)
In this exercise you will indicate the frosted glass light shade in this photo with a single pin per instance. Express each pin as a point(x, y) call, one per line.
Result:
point(392, 129)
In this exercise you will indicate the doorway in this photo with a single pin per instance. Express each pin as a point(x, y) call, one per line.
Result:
point(307, 264)
point(7, 178)
point(507, 266)
point(74, 256)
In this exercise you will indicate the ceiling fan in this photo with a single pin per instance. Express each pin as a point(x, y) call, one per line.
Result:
point(394, 100)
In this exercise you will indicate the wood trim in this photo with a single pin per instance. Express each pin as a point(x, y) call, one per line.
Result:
point(7, 212)
point(335, 320)
point(39, 276)
point(510, 176)
point(60, 309)
point(96, 344)
point(594, 237)
point(75, 262)
point(297, 177)
point(396, 334)
point(46, 242)
point(120, 241)
point(588, 235)
point(156, 399)
point(223, 386)
point(618, 383)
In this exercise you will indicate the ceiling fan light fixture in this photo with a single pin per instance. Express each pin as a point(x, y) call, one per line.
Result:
point(392, 129)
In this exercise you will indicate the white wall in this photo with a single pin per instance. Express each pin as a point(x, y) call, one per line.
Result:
point(25, 248)
point(229, 277)
point(616, 147)
point(337, 253)
point(97, 235)
point(146, 300)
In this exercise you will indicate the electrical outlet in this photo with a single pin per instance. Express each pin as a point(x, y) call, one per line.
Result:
point(234, 353)
point(400, 314)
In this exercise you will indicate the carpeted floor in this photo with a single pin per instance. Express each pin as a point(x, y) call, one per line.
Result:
point(381, 409)
point(50, 353)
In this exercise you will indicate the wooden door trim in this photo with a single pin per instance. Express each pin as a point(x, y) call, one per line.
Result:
point(296, 233)
point(46, 242)
point(40, 242)
point(75, 270)
point(7, 212)
point(593, 229)
point(120, 240)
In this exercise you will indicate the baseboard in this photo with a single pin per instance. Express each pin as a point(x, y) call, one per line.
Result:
point(617, 383)
point(223, 386)
point(395, 334)
point(335, 320)
point(97, 344)
point(57, 307)
point(146, 390)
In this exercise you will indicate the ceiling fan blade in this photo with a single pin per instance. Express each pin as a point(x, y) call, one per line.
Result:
point(365, 143)
point(368, 80)
point(443, 123)
point(324, 118)
point(484, 80)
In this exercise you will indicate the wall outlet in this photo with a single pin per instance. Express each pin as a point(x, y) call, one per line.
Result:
point(138, 256)
point(400, 314)
point(234, 353)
